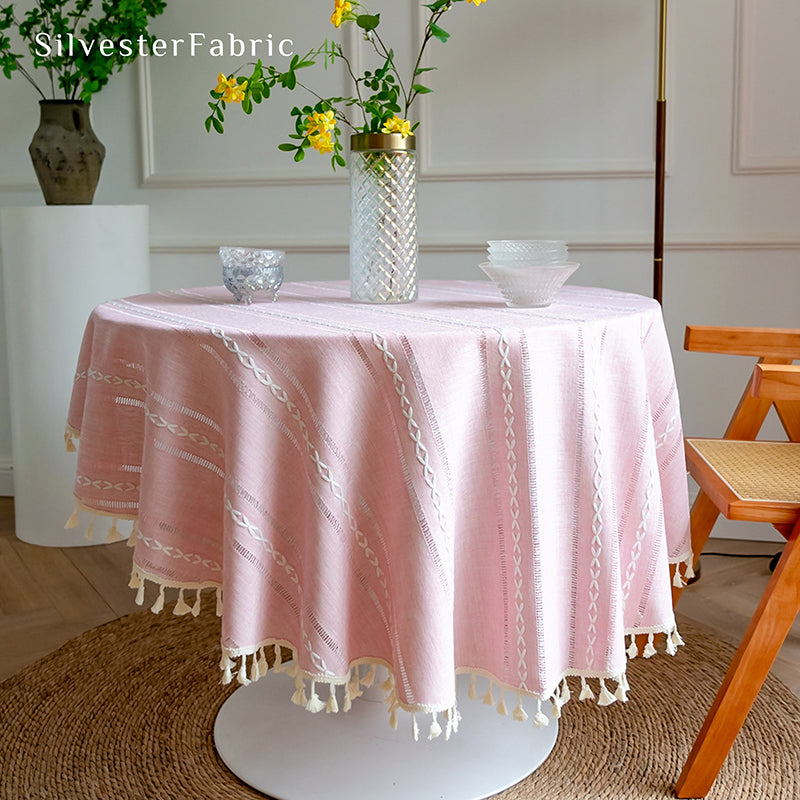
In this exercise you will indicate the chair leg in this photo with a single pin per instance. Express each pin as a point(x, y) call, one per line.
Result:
point(765, 635)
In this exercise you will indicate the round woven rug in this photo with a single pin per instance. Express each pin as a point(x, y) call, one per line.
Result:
point(126, 711)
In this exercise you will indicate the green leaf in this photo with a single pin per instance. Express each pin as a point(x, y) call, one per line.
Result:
point(208, 124)
point(287, 147)
point(440, 33)
point(340, 161)
point(368, 22)
point(425, 69)
point(420, 89)
point(217, 125)
point(299, 155)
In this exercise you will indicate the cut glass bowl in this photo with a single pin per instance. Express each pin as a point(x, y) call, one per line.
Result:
point(247, 270)
point(529, 287)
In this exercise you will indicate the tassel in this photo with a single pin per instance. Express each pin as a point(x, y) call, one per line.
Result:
point(393, 719)
point(133, 537)
point(219, 601)
point(488, 698)
point(159, 603)
point(676, 638)
point(436, 728)
point(299, 697)
point(606, 698)
point(622, 689)
point(255, 669)
point(113, 534)
point(649, 648)
point(348, 702)
point(140, 594)
point(519, 711)
point(414, 727)
point(332, 706)
point(369, 678)
point(672, 648)
point(263, 666)
point(566, 694)
point(540, 719)
point(353, 686)
point(69, 441)
point(689, 571)
point(196, 606)
point(72, 522)
point(135, 582)
point(277, 663)
point(314, 705)
point(586, 691)
point(677, 580)
point(90, 530)
point(456, 719)
point(226, 664)
point(387, 685)
point(501, 706)
point(632, 650)
point(449, 727)
point(181, 607)
point(241, 675)
point(473, 692)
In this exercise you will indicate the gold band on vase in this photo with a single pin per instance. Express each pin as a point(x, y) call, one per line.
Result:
point(361, 142)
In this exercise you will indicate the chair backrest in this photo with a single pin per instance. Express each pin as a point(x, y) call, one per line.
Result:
point(771, 346)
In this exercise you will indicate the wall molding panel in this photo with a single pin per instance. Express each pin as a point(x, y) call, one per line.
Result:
point(744, 160)
point(584, 169)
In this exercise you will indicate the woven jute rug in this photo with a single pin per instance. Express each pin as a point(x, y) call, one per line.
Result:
point(126, 712)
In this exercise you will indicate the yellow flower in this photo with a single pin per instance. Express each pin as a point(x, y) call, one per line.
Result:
point(321, 142)
point(476, 2)
point(320, 122)
point(342, 7)
point(224, 83)
point(231, 91)
point(397, 125)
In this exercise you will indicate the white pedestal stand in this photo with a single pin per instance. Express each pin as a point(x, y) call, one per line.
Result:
point(289, 754)
point(59, 262)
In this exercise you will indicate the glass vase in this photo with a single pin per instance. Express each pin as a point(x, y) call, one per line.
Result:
point(383, 218)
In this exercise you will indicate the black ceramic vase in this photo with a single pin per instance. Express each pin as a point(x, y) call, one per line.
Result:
point(66, 154)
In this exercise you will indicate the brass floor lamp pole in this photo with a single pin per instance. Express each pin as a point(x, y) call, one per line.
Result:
point(661, 137)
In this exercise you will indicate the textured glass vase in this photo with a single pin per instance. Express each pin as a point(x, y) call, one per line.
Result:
point(383, 218)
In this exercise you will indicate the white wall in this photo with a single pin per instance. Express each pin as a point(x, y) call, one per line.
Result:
point(541, 126)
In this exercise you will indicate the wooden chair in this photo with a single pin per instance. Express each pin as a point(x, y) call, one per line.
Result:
point(748, 480)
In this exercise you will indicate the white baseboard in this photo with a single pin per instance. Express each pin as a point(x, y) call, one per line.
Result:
point(6, 479)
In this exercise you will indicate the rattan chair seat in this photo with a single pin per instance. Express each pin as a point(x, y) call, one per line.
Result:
point(754, 471)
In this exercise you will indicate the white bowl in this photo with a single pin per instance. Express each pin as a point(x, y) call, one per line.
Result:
point(529, 287)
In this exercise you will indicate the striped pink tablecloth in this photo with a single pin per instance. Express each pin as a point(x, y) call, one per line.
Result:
point(440, 487)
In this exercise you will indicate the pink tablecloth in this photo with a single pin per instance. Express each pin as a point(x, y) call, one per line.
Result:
point(439, 487)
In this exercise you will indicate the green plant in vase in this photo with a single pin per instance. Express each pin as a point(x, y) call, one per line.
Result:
point(74, 47)
point(382, 98)
point(383, 167)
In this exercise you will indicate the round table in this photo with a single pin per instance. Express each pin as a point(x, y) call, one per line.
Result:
point(449, 487)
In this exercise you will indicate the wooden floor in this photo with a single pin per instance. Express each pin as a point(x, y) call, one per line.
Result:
point(50, 595)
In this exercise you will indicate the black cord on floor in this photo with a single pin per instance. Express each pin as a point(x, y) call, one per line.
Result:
point(738, 555)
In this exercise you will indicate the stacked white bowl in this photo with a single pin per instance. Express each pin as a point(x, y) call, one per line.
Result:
point(529, 272)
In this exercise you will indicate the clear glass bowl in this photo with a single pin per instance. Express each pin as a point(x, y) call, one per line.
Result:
point(247, 270)
point(529, 287)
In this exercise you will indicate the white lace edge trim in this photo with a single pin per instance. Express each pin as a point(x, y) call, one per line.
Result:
point(249, 664)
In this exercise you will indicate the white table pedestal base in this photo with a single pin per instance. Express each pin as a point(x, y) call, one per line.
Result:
point(290, 754)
